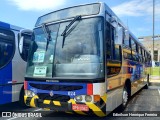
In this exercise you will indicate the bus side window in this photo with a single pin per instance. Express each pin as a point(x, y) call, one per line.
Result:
point(143, 55)
point(7, 46)
point(134, 52)
point(113, 52)
point(26, 46)
point(146, 56)
point(108, 41)
point(127, 54)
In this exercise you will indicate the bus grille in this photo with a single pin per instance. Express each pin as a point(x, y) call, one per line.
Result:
point(55, 87)
point(55, 97)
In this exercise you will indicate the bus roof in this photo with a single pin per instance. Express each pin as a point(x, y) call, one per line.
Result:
point(109, 12)
point(9, 26)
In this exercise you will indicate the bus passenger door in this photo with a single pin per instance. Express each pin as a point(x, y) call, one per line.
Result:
point(114, 59)
point(113, 68)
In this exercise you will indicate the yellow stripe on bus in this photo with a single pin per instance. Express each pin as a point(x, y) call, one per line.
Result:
point(104, 98)
point(46, 108)
point(69, 112)
point(95, 109)
point(32, 104)
point(25, 98)
point(46, 102)
point(57, 103)
point(114, 64)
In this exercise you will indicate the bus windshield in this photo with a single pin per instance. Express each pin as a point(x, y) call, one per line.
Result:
point(80, 56)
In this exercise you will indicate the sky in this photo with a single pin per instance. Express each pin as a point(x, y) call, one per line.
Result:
point(136, 14)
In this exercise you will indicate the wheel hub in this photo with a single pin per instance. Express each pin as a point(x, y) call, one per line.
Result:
point(125, 97)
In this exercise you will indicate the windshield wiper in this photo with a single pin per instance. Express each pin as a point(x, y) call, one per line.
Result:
point(47, 33)
point(64, 34)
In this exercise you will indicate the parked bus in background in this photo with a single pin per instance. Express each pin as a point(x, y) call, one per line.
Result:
point(84, 60)
point(12, 63)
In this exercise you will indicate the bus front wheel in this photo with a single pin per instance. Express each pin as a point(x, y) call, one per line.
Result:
point(125, 98)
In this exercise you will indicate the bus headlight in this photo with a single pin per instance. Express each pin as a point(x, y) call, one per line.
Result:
point(78, 98)
point(29, 93)
point(88, 98)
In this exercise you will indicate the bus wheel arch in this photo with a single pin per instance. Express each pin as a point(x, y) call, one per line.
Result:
point(21, 97)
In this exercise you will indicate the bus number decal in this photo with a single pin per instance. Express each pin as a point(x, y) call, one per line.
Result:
point(71, 93)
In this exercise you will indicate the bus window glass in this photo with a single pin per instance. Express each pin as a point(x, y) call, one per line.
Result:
point(80, 56)
point(7, 45)
point(114, 50)
point(139, 50)
point(133, 45)
point(83, 10)
point(40, 58)
point(108, 41)
point(143, 55)
point(127, 43)
point(117, 53)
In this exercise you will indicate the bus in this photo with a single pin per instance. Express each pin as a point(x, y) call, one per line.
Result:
point(84, 60)
point(12, 62)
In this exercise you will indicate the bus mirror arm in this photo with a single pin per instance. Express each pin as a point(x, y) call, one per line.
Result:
point(21, 44)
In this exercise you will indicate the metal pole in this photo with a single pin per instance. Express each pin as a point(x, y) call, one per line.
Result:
point(153, 35)
point(153, 26)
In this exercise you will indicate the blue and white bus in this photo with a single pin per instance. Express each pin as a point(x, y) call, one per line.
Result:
point(12, 62)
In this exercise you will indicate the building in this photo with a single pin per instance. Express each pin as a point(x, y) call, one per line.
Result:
point(147, 41)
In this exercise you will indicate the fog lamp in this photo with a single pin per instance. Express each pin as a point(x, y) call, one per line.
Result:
point(88, 98)
point(78, 98)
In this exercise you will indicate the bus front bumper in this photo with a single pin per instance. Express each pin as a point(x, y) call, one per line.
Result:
point(93, 108)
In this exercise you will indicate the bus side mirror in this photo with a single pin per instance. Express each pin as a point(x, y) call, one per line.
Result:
point(22, 35)
point(119, 35)
point(21, 44)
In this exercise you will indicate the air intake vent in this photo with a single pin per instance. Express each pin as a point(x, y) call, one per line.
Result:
point(55, 87)
point(55, 97)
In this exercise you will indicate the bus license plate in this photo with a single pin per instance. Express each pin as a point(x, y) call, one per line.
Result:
point(80, 107)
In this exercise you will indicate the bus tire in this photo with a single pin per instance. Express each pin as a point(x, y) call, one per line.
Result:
point(146, 86)
point(125, 98)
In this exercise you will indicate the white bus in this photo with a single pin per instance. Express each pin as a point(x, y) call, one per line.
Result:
point(12, 62)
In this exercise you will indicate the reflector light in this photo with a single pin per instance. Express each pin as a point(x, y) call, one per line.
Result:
point(25, 85)
point(89, 89)
point(96, 98)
